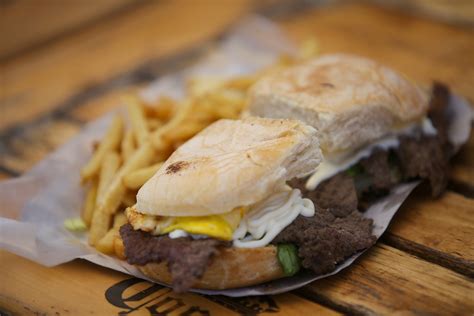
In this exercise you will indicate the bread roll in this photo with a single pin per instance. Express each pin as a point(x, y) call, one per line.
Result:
point(231, 163)
point(231, 268)
point(351, 100)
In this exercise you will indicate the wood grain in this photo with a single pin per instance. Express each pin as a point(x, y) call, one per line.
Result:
point(27, 23)
point(34, 289)
point(436, 230)
point(389, 281)
point(38, 82)
point(39, 290)
point(23, 148)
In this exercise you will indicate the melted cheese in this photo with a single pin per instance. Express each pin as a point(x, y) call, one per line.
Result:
point(216, 226)
point(251, 227)
point(265, 220)
point(330, 166)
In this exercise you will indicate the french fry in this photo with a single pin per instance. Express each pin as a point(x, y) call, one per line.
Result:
point(110, 142)
point(89, 205)
point(184, 132)
point(180, 116)
point(127, 146)
point(120, 219)
point(308, 48)
point(202, 85)
point(134, 180)
point(106, 243)
point(100, 222)
point(129, 198)
point(111, 199)
point(137, 119)
point(241, 83)
point(226, 103)
point(110, 165)
point(119, 248)
point(154, 123)
point(161, 155)
point(99, 226)
point(164, 109)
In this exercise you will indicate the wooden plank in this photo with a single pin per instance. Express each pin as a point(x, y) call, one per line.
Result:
point(27, 23)
point(436, 230)
point(284, 304)
point(25, 147)
point(81, 288)
point(389, 281)
point(38, 82)
point(422, 49)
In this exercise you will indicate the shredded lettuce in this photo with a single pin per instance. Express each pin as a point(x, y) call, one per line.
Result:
point(75, 224)
point(288, 258)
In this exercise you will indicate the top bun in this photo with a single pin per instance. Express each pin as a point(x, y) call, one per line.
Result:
point(352, 101)
point(229, 164)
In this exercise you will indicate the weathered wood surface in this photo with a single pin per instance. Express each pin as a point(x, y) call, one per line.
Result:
point(436, 230)
point(389, 281)
point(28, 23)
point(423, 262)
point(45, 79)
point(81, 288)
point(28, 145)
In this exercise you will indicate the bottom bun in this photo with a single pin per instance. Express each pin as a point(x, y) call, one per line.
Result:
point(231, 268)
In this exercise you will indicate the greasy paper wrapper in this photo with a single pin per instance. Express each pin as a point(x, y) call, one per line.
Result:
point(40, 200)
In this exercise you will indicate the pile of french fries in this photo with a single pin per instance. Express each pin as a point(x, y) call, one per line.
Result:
point(136, 145)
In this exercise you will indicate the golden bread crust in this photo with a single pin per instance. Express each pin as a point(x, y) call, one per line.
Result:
point(231, 268)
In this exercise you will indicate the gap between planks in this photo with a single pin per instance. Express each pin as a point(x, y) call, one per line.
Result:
point(459, 265)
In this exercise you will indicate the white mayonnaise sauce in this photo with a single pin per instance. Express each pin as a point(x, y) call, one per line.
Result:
point(266, 219)
point(178, 233)
point(331, 166)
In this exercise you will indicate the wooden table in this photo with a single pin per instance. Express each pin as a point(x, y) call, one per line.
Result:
point(82, 60)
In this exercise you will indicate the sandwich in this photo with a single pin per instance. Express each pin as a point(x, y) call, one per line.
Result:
point(376, 127)
point(220, 214)
point(283, 189)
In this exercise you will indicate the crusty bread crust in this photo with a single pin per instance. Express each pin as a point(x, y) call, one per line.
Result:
point(231, 163)
point(351, 100)
point(231, 268)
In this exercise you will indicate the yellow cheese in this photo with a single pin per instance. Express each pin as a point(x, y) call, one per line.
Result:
point(216, 226)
